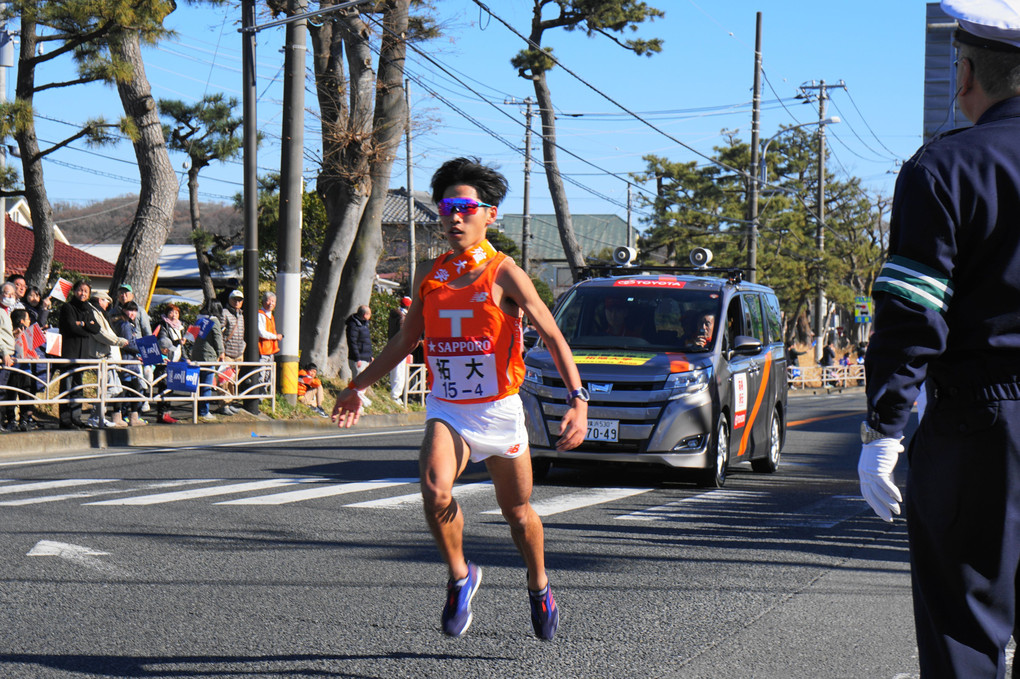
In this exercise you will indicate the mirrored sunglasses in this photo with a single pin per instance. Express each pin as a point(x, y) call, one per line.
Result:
point(466, 206)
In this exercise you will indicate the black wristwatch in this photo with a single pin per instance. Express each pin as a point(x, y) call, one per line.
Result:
point(581, 393)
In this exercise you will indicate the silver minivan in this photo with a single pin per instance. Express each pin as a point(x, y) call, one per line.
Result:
point(685, 371)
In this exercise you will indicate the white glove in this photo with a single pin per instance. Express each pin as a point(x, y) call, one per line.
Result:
point(875, 469)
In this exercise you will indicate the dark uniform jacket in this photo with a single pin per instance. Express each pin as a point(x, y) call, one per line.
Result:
point(947, 302)
point(359, 339)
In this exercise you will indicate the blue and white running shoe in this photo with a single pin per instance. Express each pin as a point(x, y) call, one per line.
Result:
point(459, 593)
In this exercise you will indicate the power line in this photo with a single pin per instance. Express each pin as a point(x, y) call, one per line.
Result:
point(605, 96)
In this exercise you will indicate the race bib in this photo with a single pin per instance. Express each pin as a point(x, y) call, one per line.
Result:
point(463, 367)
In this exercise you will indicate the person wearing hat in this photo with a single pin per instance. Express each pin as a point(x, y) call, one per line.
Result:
point(233, 327)
point(398, 376)
point(946, 304)
point(125, 294)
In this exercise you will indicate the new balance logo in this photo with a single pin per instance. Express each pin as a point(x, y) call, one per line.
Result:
point(479, 297)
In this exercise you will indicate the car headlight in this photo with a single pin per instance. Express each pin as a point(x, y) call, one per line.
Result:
point(533, 375)
point(686, 383)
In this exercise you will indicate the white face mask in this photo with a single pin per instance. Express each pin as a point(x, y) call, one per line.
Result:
point(9, 302)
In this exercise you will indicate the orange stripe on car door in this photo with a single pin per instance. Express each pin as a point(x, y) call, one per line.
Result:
point(762, 388)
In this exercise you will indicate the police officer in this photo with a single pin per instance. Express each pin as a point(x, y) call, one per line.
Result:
point(948, 308)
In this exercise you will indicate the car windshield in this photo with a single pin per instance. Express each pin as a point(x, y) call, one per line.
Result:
point(652, 318)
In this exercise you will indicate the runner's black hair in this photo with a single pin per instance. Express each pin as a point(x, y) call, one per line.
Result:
point(487, 181)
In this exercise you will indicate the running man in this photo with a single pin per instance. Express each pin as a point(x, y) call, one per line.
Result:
point(469, 306)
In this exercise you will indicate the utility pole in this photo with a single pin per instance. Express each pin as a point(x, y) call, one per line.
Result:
point(6, 61)
point(249, 199)
point(250, 196)
point(288, 266)
point(630, 198)
point(820, 312)
point(411, 245)
point(526, 217)
point(752, 240)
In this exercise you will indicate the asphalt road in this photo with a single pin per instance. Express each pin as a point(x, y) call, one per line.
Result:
point(308, 557)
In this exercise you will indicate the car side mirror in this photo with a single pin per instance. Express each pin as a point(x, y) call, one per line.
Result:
point(746, 346)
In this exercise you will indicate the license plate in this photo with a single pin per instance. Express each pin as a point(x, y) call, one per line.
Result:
point(603, 430)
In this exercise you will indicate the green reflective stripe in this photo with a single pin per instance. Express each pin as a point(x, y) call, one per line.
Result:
point(909, 292)
point(915, 282)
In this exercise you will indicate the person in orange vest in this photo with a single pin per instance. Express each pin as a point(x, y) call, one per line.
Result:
point(469, 304)
point(309, 388)
point(269, 339)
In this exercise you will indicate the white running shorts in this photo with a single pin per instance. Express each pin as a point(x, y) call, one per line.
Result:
point(490, 428)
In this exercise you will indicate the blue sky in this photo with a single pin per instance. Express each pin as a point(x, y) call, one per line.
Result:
point(699, 85)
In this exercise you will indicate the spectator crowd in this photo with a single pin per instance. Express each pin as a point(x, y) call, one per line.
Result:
point(90, 324)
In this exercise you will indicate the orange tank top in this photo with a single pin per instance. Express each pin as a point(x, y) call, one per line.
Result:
point(472, 347)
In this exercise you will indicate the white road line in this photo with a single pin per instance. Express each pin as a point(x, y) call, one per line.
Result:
point(179, 495)
point(415, 498)
point(47, 485)
point(698, 506)
point(245, 442)
point(314, 493)
point(585, 498)
point(94, 493)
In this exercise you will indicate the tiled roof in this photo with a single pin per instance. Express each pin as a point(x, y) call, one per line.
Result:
point(594, 233)
point(19, 246)
point(395, 208)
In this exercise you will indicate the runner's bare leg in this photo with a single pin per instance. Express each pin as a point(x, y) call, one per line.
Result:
point(512, 480)
point(442, 459)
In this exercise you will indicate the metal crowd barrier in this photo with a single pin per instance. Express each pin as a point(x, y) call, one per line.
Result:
point(42, 383)
point(417, 383)
point(830, 377)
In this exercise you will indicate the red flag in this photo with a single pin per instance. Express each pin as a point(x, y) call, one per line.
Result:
point(194, 331)
point(35, 336)
point(61, 289)
point(27, 351)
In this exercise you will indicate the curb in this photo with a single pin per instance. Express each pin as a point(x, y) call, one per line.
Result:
point(16, 445)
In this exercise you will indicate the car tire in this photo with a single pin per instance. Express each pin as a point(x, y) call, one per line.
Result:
point(714, 475)
point(770, 463)
point(540, 468)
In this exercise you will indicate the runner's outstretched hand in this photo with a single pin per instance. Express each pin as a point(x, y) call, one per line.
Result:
point(347, 409)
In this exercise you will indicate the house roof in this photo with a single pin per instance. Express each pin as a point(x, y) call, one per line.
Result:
point(19, 246)
point(594, 233)
point(395, 209)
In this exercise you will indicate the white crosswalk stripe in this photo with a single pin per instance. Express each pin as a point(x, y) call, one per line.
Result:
point(315, 493)
point(93, 493)
point(707, 505)
point(177, 496)
point(717, 505)
point(415, 498)
point(47, 485)
point(585, 498)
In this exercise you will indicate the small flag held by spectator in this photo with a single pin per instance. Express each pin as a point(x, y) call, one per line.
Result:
point(201, 328)
point(54, 346)
point(148, 350)
point(61, 289)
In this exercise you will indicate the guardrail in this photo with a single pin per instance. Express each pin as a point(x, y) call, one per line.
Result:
point(817, 377)
point(36, 382)
point(417, 383)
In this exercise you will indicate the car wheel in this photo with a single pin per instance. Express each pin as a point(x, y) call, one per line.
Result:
point(540, 468)
point(714, 476)
point(770, 463)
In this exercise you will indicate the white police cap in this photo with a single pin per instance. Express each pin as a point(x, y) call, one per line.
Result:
point(996, 23)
